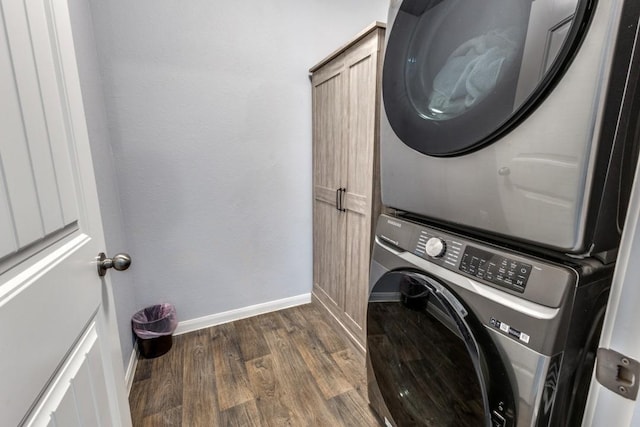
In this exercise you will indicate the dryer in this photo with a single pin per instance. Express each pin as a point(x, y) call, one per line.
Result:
point(462, 333)
point(512, 118)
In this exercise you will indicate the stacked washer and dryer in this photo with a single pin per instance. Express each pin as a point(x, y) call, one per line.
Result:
point(508, 144)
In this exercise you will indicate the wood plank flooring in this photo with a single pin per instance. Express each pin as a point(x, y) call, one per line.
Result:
point(288, 368)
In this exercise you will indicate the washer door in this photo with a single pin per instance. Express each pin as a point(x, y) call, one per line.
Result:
point(459, 74)
point(433, 361)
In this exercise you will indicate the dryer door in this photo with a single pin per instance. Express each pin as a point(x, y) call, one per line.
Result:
point(459, 74)
point(432, 361)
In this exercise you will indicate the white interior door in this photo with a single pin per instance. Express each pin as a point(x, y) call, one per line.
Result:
point(621, 331)
point(60, 362)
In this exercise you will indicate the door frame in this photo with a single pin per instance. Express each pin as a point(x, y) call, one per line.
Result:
point(621, 330)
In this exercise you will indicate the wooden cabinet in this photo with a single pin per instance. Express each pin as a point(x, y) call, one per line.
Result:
point(346, 97)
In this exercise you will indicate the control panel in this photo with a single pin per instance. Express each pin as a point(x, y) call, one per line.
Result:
point(533, 278)
point(495, 268)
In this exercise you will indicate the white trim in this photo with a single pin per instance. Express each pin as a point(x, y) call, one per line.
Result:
point(131, 367)
point(240, 313)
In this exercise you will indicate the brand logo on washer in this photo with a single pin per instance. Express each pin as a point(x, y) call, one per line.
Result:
point(394, 223)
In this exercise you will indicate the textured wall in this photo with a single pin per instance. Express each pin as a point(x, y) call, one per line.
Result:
point(208, 106)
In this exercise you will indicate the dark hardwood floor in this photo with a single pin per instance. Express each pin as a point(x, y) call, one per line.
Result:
point(288, 368)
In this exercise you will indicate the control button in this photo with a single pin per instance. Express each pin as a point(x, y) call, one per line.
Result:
point(435, 247)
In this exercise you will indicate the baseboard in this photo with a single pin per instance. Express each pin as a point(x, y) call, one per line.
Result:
point(131, 367)
point(240, 313)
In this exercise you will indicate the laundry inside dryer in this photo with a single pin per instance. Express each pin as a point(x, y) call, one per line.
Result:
point(509, 118)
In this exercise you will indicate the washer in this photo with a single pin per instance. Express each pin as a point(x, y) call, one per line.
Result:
point(462, 333)
point(512, 118)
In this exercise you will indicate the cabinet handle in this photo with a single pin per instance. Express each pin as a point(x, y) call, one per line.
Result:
point(344, 191)
point(338, 198)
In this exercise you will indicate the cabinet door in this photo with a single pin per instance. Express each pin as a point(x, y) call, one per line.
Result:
point(328, 222)
point(360, 75)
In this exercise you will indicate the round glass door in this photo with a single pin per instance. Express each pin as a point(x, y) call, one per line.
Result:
point(460, 73)
point(433, 362)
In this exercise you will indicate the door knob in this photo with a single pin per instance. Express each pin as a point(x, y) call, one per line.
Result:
point(119, 262)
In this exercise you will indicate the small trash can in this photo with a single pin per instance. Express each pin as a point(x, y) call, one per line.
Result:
point(154, 327)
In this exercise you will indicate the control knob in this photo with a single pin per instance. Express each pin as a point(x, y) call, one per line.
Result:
point(435, 247)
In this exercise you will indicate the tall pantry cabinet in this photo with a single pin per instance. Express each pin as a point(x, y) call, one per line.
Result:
point(346, 197)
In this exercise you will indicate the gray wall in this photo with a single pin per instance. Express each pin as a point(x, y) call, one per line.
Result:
point(208, 114)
